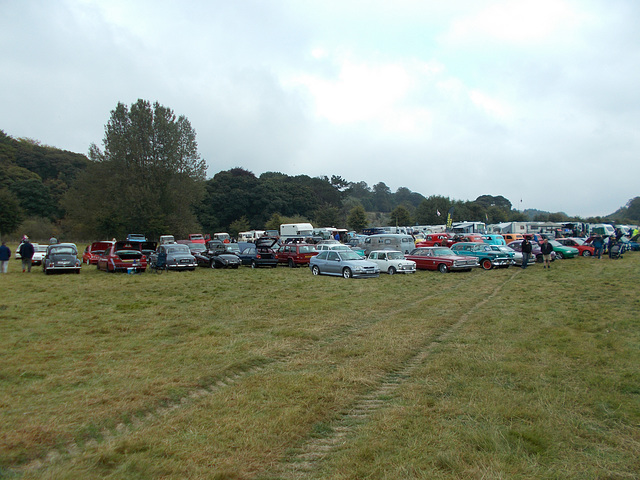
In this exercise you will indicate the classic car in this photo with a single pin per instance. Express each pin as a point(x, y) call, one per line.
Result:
point(442, 259)
point(392, 261)
point(217, 255)
point(295, 254)
point(345, 263)
point(173, 256)
point(535, 250)
point(464, 237)
point(122, 256)
point(61, 257)
point(433, 240)
point(487, 257)
point(92, 252)
point(493, 239)
point(563, 251)
point(517, 256)
point(583, 249)
point(39, 252)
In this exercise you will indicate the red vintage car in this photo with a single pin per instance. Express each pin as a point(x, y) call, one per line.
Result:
point(441, 258)
point(433, 240)
point(464, 237)
point(123, 257)
point(92, 252)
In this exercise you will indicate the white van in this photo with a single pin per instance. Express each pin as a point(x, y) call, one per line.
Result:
point(296, 230)
point(388, 241)
point(250, 236)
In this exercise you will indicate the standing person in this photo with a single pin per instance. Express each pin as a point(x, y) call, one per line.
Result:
point(526, 252)
point(598, 244)
point(5, 255)
point(53, 240)
point(26, 252)
point(546, 248)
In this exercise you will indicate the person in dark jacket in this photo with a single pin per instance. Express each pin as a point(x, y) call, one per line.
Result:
point(26, 253)
point(526, 252)
point(5, 255)
point(546, 248)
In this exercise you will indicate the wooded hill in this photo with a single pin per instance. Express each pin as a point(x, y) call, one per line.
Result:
point(37, 181)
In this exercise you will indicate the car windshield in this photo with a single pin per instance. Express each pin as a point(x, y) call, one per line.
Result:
point(395, 256)
point(441, 252)
point(41, 248)
point(63, 250)
point(179, 248)
point(197, 247)
point(349, 255)
point(233, 248)
point(555, 243)
point(578, 241)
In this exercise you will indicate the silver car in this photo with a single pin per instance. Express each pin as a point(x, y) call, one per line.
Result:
point(344, 263)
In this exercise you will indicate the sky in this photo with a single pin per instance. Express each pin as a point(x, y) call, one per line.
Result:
point(536, 101)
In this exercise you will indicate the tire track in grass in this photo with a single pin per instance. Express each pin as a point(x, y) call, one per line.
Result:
point(131, 422)
point(305, 461)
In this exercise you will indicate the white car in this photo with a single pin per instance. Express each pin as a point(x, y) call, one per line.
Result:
point(392, 261)
point(38, 255)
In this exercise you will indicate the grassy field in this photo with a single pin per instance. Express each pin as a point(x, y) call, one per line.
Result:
point(275, 374)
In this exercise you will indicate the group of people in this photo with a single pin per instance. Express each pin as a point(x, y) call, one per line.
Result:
point(545, 248)
point(26, 252)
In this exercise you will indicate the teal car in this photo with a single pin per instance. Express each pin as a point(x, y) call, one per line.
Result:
point(486, 255)
point(563, 251)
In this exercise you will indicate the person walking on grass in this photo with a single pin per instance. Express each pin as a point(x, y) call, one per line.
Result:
point(5, 255)
point(26, 252)
point(526, 252)
point(546, 248)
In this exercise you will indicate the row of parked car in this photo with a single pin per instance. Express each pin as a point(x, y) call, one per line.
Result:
point(384, 253)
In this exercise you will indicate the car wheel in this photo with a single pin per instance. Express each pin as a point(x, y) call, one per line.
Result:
point(346, 273)
point(391, 271)
point(486, 264)
point(291, 264)
point(254, 264)
point(559, 255)
point(442, 268)
point(586, 253)
point(315, 270)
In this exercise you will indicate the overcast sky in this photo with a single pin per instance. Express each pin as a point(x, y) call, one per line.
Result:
point(538, 101)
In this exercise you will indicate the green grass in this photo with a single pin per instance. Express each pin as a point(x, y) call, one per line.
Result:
point(240, 374)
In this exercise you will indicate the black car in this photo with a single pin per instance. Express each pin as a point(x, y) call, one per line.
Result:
point(61, 257)
point(217, 255)
point(260, 254)
point(173, 256)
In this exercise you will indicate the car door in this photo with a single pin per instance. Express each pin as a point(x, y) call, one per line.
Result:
point(333, 263)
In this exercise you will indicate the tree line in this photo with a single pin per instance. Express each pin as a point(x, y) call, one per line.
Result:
point(148, 177)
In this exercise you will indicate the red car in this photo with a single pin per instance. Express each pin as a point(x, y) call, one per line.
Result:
point(441, 258)
point(583, 249)
point(433, 240)
point(295, 254)
point(467, 237)
point(123, 257)
point(92, 252)
point(196, 238)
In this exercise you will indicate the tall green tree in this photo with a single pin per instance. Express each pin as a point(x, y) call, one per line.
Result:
point(147, 179)
point(357, 219)
point(400, 216)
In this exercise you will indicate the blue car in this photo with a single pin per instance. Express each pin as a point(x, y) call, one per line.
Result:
point(486, 255)
point(343, 263)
